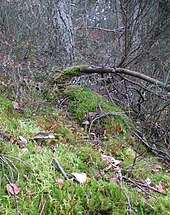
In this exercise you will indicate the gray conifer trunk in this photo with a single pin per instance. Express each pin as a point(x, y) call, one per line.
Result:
point(62, 21)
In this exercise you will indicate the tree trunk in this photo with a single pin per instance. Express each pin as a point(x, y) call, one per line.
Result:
point(61, 16)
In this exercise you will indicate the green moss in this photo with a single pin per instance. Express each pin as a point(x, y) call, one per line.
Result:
point(67, 74)
point(37, 172)
point(13, 121)
point(5, 105)
point(83, 101)
point(39, 181)
point(51, 95)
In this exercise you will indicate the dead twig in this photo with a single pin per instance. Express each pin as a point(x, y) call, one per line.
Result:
point(141, 186)
point(119, 178)
point(137, 185)
point(127, 198)
point(42, 210)
point(60, 168)
point(14, 194)
point(151, 188)
point(155, 151)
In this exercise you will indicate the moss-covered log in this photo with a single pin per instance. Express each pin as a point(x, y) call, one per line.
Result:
point(76, 71)
point(68, 73)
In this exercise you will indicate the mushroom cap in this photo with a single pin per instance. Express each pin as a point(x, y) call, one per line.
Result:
point(86, 122)
point(42, 135)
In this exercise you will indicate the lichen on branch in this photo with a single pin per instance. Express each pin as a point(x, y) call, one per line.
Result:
point(67, 74)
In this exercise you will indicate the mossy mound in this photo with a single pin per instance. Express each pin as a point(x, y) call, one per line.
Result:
point(67, 74)
point(84, 100)
point(84, 104)
point(31, 167)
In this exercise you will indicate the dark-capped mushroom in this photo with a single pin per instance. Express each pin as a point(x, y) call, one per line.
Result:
point(85, 123)
point(42, 136)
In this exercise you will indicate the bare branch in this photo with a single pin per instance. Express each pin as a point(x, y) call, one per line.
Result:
point(60, 168)
point(128, 72)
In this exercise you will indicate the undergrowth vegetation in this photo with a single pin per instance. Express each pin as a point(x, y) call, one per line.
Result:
point(78, 148)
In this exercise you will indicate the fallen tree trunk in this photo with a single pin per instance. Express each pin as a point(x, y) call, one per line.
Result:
point(77, 71)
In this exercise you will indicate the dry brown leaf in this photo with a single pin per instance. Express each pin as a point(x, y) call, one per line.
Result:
point(111, 160)
point(29, 196)
point(14, 141)
point(52, 143)
point(160, 187)
point(13, 188)
point(117, 169)
point(80, 177)
point(156, 167)
point(118, 129)
point(16, 106)
point(20, 144)
point(113, 180)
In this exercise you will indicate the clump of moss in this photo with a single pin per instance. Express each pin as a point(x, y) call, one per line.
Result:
point(83, 100)
point(108, 116)
point(67, 74)
point(5, 105)
point(51, 95)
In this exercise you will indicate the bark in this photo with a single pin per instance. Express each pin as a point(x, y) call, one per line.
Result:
point(61, 16)
point(127, 72)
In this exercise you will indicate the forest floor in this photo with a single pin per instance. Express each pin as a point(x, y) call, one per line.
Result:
point(78, 158)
